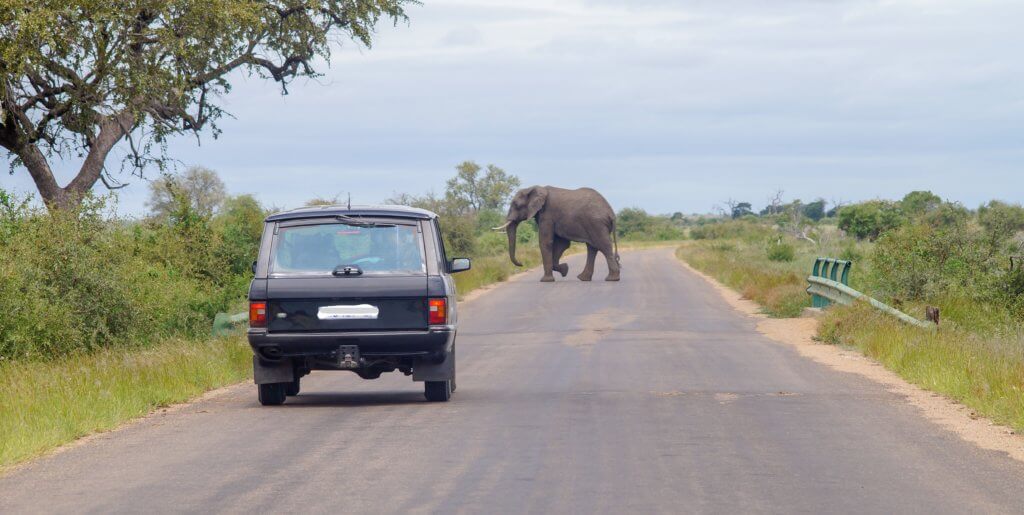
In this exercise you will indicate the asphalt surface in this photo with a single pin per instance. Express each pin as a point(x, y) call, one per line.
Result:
point(646, 396)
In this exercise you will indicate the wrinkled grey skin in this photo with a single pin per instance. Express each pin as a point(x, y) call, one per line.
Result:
point(564, 216)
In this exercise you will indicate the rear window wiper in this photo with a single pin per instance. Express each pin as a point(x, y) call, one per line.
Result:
point(355, 222)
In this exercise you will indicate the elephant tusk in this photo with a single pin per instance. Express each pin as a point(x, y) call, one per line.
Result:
point(503, 227)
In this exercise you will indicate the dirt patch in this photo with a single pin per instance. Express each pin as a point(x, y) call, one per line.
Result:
point(594, 327)
point(944, 412)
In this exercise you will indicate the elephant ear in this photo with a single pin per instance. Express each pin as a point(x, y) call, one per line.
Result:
point(538, 197)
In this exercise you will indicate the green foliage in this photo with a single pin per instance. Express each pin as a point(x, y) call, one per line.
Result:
point(198, 186)
point(917, 261)
point(80, 74)
point(947, 214)
point(868, 220)
point(75, 281)
point(725, 229)
point(815, 210)
point(459, 234)
point(1001, 220)
point(779, 250)
point(741, 209)
point(636, 224)
point(918, 203)
point(471, 190)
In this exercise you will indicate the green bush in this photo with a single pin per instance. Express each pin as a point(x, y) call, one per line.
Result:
point(748, 230)
point(636, 224)
point(920, 261)
point(780, 251)
point(73, 282)
point(868, 220)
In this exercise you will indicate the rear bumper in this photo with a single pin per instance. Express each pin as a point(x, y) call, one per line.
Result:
point(434, 343)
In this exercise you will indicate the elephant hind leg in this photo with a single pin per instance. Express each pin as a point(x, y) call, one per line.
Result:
point(588, 272)
point(561, 245)
point(607, 249)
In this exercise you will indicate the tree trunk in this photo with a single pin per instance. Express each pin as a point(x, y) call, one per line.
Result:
point(111, 131)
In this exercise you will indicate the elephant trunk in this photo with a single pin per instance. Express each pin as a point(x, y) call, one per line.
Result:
point(512, 242)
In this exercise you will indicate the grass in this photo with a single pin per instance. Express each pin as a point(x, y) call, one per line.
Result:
point(488, 270)
point(46, 404)
point(982, 371)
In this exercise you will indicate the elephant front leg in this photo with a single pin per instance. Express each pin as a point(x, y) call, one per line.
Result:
point(588, 271)
point(546, 254)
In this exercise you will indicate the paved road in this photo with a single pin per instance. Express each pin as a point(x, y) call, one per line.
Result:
point(646, 396)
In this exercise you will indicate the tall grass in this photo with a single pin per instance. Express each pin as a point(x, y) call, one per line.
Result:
point(982, 371)
point(47, 404)
point(746, 259)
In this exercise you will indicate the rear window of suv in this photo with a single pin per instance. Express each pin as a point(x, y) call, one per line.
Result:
point(378, 250)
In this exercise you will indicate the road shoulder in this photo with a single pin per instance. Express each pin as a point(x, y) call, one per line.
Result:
point(799, 333)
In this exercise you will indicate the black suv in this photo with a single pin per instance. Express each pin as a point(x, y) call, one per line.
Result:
point(367, 290)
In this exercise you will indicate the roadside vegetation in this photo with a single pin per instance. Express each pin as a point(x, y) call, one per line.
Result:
point(108, 317)
point(916, 252)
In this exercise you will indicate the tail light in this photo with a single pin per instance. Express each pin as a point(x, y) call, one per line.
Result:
point(257, 314)
point(438, 311)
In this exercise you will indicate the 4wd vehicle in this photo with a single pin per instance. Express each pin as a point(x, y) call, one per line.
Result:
point(368, 290)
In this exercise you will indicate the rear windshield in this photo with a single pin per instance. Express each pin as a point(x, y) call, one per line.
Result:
point(319, 249)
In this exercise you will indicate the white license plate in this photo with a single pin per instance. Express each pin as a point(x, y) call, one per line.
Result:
point(360, 312)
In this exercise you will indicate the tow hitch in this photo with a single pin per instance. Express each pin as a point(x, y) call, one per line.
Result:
point(348, 357)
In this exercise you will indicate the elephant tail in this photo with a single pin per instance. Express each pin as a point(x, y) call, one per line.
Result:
point(615, 240)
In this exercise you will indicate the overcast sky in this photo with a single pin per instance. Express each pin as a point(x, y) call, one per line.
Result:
point(665, 105)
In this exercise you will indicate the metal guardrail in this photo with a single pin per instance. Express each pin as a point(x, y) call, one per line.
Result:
point(224, 323)
point(828, 285)
point(832, 269)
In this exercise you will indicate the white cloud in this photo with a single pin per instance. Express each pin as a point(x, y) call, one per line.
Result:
point(694, 101)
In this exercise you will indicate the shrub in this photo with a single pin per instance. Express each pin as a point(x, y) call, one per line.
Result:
point(917, 261)
point(77, 281)
point(637, 224)
point(781, 251)
point(868, 220)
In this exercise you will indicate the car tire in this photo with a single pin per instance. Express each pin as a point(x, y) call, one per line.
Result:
point(437, 391)
point(272, 394)
point(292, 389)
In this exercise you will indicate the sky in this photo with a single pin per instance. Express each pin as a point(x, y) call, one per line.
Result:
point(664, 105)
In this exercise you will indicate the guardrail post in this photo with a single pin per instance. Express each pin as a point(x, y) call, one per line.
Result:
point(832, 269)
point(817, 301)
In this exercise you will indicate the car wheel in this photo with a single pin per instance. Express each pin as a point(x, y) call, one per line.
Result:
point(273, 394)
point(292, 389)
point(438, 391)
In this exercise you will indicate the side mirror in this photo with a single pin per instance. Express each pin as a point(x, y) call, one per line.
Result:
point(254, 267)
point(459, 265)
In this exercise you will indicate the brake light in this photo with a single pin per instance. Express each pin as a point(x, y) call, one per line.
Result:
point(438, 311)
point(257, 314)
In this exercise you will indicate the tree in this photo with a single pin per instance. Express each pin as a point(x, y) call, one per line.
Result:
point(472, 190)
point(774, 206)
point(77, 77)
point(918, 203)
point(736, 209)
point(742, 209)
point(869, 219)
point(198, 187)
point(1001, 221)
point(815, 210)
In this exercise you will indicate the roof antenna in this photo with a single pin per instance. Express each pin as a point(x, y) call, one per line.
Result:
point(350, 201)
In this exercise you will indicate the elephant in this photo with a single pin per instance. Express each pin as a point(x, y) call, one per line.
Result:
point(564, 216)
